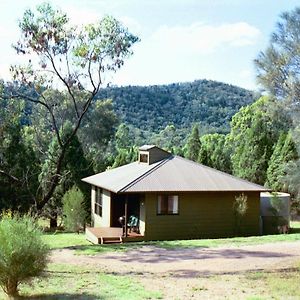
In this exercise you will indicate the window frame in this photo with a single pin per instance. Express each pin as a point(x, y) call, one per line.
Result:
point(98, 207)
point(166, 198)
point(144, 158)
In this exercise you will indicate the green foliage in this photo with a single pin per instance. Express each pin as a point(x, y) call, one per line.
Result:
point(278, 65)
point(73, 210)
point(292, 170)
point(193, 144)
point(284, 152)
point(74, 167)
point(153, 108)
point(125, 156)
point(19, 165)
point(254, 130)
point(215, 152)
point(170, 139)
point(23, 255)
point(293, 177)
point(125, 152)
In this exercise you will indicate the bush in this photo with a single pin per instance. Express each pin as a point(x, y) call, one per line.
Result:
point(73, 210)
point(23, 255)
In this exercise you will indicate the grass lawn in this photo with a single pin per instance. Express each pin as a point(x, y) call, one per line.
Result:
point(61, 240)
point(87, 283)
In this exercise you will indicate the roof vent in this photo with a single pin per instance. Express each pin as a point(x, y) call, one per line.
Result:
point(150, 154)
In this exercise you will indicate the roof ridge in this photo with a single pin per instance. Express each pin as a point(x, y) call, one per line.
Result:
point(223, 173)
point(162, 162)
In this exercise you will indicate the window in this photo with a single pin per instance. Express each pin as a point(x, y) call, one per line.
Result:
point(167, 205)
point(98, 201)
point(144, 158)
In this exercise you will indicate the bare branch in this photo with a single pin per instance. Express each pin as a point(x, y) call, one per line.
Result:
point(64, 82)
point(9, 176)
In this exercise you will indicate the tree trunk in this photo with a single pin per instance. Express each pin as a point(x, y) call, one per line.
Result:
point(53, 221)
point(11, 289)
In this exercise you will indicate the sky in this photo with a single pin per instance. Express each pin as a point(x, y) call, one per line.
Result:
point(181, 40)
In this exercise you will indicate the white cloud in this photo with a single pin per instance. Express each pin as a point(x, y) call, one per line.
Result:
point(203, 38)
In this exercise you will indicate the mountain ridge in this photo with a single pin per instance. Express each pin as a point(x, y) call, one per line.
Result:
point(152, 108)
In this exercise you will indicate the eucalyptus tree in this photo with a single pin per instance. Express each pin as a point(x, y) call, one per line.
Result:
point(66, 67)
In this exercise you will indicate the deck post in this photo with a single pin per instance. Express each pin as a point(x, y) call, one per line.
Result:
point(126, 215)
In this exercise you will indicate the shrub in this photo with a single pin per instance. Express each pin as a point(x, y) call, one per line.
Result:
point(23, 255)
point(73, 210)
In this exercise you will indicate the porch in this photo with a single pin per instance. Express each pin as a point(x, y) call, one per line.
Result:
point(106, 235)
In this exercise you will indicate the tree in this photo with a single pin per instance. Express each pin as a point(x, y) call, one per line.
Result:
point(168, 139)
point(123, 140)
point(278, 67)
point(292, 179)
point(284, 152)
point(75, 167)
point(214, 152)
point(74, 213)
point(254, 130)
point(19, 166)
point(66, 63)
point(193, 144)
point(23, 255)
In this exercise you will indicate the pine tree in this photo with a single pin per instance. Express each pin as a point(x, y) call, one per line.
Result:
point(284, 152)
point(193, 144)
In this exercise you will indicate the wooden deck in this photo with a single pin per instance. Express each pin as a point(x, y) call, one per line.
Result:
point(104, 235)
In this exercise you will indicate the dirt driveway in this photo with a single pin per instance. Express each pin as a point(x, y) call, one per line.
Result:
point(184, 267)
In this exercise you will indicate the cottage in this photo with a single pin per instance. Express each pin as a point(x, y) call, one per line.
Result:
point(171, 197)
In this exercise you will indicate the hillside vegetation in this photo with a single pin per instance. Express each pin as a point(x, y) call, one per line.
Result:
point(152, 108)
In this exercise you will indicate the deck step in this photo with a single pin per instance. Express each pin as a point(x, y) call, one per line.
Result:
point(110, 240)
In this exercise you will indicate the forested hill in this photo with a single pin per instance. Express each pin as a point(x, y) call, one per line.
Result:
point(151, 108)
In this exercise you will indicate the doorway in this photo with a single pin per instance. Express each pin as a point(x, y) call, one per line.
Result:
point(118, 207)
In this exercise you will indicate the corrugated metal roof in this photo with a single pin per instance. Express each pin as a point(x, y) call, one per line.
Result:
point(117, 179)
point(174, 174)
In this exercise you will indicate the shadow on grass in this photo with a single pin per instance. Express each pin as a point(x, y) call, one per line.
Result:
point(64, 296)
